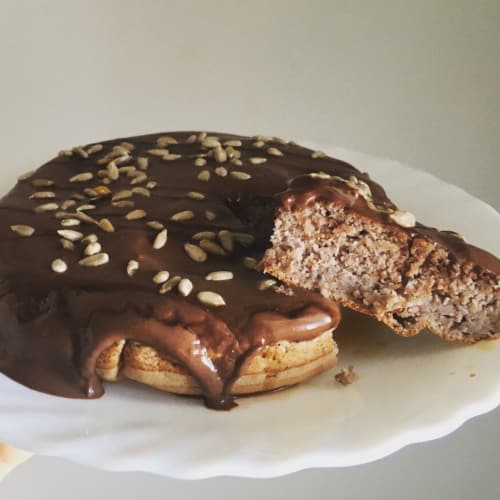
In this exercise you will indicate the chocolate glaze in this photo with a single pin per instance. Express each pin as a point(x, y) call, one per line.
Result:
point(54, 326)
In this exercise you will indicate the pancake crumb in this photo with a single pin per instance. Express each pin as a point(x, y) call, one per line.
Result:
point(346, 376)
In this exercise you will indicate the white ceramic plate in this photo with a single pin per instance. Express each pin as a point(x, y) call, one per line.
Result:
point(409, 390)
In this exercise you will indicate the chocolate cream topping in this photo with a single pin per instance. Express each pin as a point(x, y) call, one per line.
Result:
point(64, 299)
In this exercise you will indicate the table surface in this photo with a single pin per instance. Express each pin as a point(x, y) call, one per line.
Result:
point(413, 81)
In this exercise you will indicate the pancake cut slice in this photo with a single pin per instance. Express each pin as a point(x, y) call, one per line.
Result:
point(333, 235)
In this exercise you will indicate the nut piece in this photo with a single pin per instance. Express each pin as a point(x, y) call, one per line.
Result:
point(185, 287)
point(265, 284)
point(184, 215)
point(70, 234)
point(92, 248)
point(106, 226)
point(170, 284)
point(404, 219)
point(210, 299)
point(195, 252)
point(212, 247)
point(94, 260)
point(219, 276)
point(132, 267)
point(135, 215)
point(23, 230)
point(160, 277)
point(160, 239)
point(226, 239)
point(59, 266)
point(204, 175)
point(83, 177)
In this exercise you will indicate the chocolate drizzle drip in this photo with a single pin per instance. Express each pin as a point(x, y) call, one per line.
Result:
point(53, 326)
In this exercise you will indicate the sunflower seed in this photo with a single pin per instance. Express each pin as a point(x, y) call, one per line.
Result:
point(86, 206)
point(171, 157)
point(265, 284)
point(210, 215)
point(274, 152)
point(181, 216)
point(165, 140)
point(70, 234)
point(138, 179)
point(211, 142)
point(123, 204)
point(83, 177)
point(204, 175)
point(212, 247)
point(170, 284)
point(249, 262)
point(191, 139)
point(127, 146)
point(241, 176)
point(94, 149)
point(220, 155)
point(90, 192)
point(259, 144)
point(219, 276)
point(85, 218)
point(195, 252)
point(154, 224)
point(280, 140)
point(202, 136)
point(132, 267)
point(92, 248)
point(142, 191)
point(257, 160)
point(68, 204)
point(42, 182)
point(160, 239)
point(264, 138)
point(403, 218)
point(317, 154)
point(204, 235)
point(143, 162)
point(195, 195)
point(160, 277)
point(65, 152)
point(135, 214)
point(59, 266)
point(226, 239)
point(200, 162)
point(81, 152)
point(323, 175)
point(221, 171)
point(151, 184)
point(42, 194)
point(237, 162)
point(185, 287)
point(23, 230)
point(128, 170)
point(26, 176)
point(211, 299)
point(66, 244)
point(233, 143)
point(158, 152)
point(95, 260)
point(70, 222)
point(244, 239)
point(122, 195)
point(46, 207)
point(106, 225)
point(112, 171)
point(90, 238)
point(121, 159)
